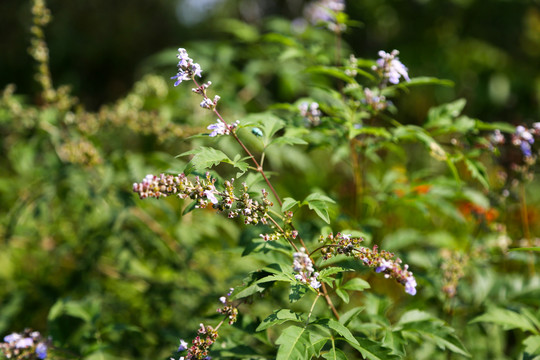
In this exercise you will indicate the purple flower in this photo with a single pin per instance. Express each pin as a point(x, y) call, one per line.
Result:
point(526, 149)
point(187, 69)
point(389, 66)
point(41, 351)
point(24, 343)
point(410, 285)
point(385, 264)
point(183, 345)
point(210, 196)
point(219, 128)
point(12, 338)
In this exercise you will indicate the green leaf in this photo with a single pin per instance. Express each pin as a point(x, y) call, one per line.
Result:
point(74, 309)
point(330, 71)
point(334, 354)
point(431, 329)
point(525, 249)
point(192, 206)
point(329, 271)
point(478, 171)
point(279, 317)
point(204, 158)
point(346, 318)
point(294, 344)
point(319, 204)
point(356, 284)
point(288, 203)
point(343, 295)
point(337, 327)
point(297, 292)
point(507, 319)
point(369, 130)
point(532, 345)
point(289, 140)
point(373, 350)
point(276, 277)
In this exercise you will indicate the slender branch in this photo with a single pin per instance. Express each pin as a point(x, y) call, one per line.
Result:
point(261, 171)
point(312, 307)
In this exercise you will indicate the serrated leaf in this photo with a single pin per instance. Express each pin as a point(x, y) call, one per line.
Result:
point(204, 158)
point(507, 319)
point(279, 317)
point(329, 271)
point(288, 203)
point(478, 171)
point(297, 292)
point(356, 284)
point(339, 328)
point(294, 344)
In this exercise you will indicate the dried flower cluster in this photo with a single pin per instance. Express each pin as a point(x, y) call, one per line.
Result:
point(453, 270)
point(228, 309)
point(382, 262)
point(200, 347)
point(205, 192)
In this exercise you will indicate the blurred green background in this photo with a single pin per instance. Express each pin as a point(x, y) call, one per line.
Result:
point(124, 277)
point(490, 48)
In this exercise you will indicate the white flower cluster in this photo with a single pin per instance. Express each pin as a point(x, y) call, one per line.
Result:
point(221, 128)
point(390, 68)
point(304, 267)
point(187, 69)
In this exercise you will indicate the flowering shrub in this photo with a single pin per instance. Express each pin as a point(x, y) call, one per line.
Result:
point(369, 237)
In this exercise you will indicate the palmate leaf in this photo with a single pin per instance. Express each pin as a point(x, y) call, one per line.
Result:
point(205, 157)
